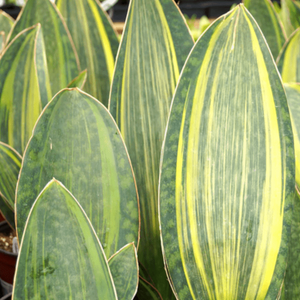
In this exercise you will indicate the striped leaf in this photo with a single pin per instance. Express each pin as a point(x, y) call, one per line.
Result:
point(147, 291)
point(77, 141)
point(266, 17)
point(293, 97)
point(288, 62)
point(60, 255)
point(124, 269)
point(7, 212)
point(78, 81)
point(62, 58)
point(96, 43)
point(10, 164)
point(290, 16)
point(6, 22)
point(24, 87)
point(291, 289)
point(154, 46)
point(227, 174)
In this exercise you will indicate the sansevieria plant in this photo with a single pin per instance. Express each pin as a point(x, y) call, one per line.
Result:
point(172, 175)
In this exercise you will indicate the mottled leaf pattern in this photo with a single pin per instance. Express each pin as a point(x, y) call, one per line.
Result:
point(77, 141)
point(153, 49)
point(60, 255)
point(227, 174)
point(96, 43)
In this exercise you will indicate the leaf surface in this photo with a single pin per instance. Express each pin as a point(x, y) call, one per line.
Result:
point(290, 16)
point(154, 46)
point(78, 81)
point(227, 173)
point(266, 17)
point(147, 291)
point(24, 87)
point(124, 269)
point(62, 58)
point(60, 255)
point(96, 43)
point(288, 62)
point(77, 141)
point(6, 22)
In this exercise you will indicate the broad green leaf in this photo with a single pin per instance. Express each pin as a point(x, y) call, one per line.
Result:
point(227, 174)
point(96, 43)
point(7, 212)
point(10, 164)
point(60, 255)
point(293, 97)
point(267, 19)
point(290, 16)
point(24, 87)
point(153, 49)
point(6, 22)
point(292, 278)
point(288, 62)
point(62, 58)
point(125, 272)
point(78, 81)
point(147, 291)
point(77, 141)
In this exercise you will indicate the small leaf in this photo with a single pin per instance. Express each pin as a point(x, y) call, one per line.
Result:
point(266, 17)
point(7, 212)
point(60, 255)
point(96, 43)
point(62, 59)
point(6, 22)
point(147, 291)
point(78, 81)
point(124, 269)
point(290, 16)
point(288, 61)
point(24, 87)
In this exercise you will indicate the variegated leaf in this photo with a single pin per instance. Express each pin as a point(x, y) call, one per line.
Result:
point(227, 174)
point(60, 255)
point(266, 17)
point(96, 43)
point(62, 58)
point(77, 141)
point(24, 87)
point(290, 15)
point(6, 22)
point(288, 61)
point(154, 46)
point(78, 81)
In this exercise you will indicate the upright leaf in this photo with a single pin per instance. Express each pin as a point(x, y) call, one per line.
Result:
point(24, 87)
point(78, 81)
point(147, 291)
point(288, 61)
point(77, 141)
point(62, 58)
point(227, 175)
point(264, 13)
point(290, 15)
point(293, 97)
point(125, 272)
point(60, 255)
point(6, 22)
point(154, 46)
point(96, 43)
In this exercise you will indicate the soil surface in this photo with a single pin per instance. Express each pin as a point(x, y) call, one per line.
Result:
point(6, 241)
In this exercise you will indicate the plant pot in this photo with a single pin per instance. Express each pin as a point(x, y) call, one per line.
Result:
point(7, 264)
point(6, 297)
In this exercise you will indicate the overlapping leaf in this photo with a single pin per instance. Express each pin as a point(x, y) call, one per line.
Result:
point(78, 81)
point(290, 16)
point(6, 22)
point(24, 87)
point(147, 291)
point(153, 49)
point(95, 41)
point(288, 61)
point(62, 58)
point(124, 269)
point(10, 164)
point(227, 174)
point(77, 141)
point(60, 255)
point(268, 20)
